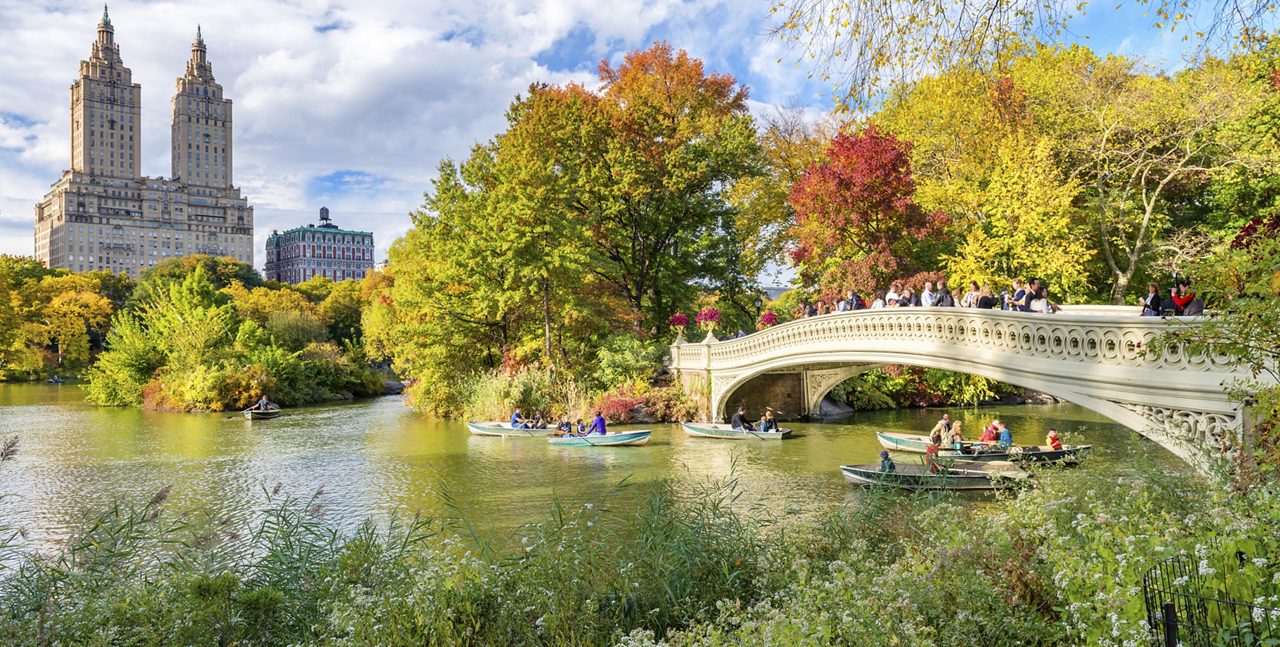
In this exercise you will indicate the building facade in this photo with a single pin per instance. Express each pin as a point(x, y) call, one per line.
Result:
point(103, 214)
point(300, 253)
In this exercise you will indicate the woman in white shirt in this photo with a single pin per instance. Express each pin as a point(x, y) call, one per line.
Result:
point(879, 302)
point(1041, 302)
point(970, 299)
point(892, 295)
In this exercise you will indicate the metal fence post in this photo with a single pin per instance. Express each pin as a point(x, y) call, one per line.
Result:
point(1170, 618)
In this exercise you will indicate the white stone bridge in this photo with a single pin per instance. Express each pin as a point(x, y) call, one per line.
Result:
point(1089, 355)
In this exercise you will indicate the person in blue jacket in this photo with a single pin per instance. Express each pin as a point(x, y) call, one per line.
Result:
point(886, 463)
point(518, 421)
point(1006, 436)
point(597, 425)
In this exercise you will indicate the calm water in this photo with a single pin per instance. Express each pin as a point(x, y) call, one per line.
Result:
point(376, 457)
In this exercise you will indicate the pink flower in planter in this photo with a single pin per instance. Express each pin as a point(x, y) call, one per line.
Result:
point(767, 320)
point(708, 318)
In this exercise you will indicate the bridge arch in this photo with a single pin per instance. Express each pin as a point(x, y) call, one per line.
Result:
point(1092, 357)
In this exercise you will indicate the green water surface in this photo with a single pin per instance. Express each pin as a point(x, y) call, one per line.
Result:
point(376, 457)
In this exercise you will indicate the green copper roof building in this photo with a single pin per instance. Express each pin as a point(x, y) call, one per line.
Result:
point(295, 255)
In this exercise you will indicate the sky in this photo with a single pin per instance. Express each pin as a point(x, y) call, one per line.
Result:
point(352, 105)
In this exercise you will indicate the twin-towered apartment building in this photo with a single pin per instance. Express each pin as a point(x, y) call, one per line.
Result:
point(103, 214)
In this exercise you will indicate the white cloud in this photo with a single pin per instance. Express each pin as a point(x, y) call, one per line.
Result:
point(382, 88)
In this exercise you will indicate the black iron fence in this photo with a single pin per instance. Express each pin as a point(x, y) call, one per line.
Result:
point(1190, 608)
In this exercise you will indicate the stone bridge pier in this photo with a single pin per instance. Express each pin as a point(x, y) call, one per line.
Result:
point(1093, 356)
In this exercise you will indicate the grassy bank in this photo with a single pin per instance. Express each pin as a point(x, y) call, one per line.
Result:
point(1059, 563)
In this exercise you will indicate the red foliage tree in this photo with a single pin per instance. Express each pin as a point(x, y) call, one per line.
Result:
point(857, 223)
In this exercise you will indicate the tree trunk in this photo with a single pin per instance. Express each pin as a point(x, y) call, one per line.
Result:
point(546, 320)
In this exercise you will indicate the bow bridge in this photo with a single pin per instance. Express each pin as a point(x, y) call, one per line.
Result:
point(1092, 356)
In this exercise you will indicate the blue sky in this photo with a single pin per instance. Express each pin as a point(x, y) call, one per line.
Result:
point(353, 105)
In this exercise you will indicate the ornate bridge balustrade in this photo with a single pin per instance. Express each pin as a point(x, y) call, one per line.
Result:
point(1090, 355)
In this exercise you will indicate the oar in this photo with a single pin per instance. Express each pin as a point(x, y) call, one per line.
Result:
point(241, 414)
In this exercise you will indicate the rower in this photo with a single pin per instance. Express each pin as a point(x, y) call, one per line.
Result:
point(989, 433)
point(957, 437)
point(518, 421)
point(263, 404)
point(739, 422)
point(1053, 440)
point(597, 425)
point(941, 432)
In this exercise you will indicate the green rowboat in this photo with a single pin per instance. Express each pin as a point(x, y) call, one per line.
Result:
point(506, 431)
point(959, 476)
point(625, 438)
point(985, 453)
point(727, 432)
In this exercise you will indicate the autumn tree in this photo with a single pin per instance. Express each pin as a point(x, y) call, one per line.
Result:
point(593, 213)
point(866, 49)
point(790, 142)
point(653, 192)
point(1137, 140)
point(858, 225)
point(979, 156)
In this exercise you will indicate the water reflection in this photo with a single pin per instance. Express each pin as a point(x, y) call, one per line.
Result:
point(376, 457)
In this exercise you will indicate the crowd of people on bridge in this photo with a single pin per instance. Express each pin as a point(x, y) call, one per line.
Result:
point(1022, 296)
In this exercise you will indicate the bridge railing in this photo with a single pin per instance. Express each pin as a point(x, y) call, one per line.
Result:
point(1106, 335)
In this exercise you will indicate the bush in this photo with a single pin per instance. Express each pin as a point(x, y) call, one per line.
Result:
point(625, 360)
point(617, 405)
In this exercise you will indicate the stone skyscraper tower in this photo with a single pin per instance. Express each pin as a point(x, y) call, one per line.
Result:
point(106, 110)
point(201, 124)
point(103, 214)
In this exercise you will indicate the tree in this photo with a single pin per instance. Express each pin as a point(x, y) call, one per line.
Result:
point(1145, 138)
point(219, 271)
point(341, 309)
point(789, 143)
point(651, 192)
point(1240, 283)
point(857, 223)
point(68, 321)
point(868, 48)
point(591, 214)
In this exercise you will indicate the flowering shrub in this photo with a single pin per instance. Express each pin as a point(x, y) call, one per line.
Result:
point(617, 405)
point(678, 321)
point(708, 318)
point(767, 320)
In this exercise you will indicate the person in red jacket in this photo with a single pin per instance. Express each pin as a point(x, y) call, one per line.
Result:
point(1182, 296)
point(1053, 440)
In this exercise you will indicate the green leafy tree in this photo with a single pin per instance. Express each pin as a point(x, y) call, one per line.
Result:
point(220, 272)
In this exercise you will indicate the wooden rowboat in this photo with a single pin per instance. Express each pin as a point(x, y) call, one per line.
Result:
point(985, 453)
point(959, 476)
point(609, 440)
point(713, 430)
point(505, 430)
point(258, 414)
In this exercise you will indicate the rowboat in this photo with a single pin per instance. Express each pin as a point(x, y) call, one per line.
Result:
point(972, 451)
point(714, 430)
point(960, 475)
point(505, 430)
point(258, 414)
point(609, 440)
